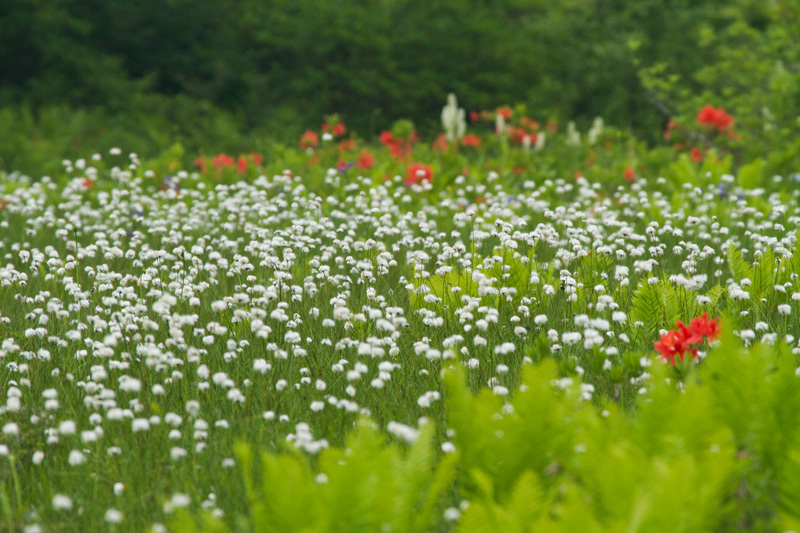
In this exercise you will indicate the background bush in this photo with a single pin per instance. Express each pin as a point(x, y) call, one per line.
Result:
point(279, 66)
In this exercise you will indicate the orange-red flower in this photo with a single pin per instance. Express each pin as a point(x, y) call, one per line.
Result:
point(441, 144)
point(365, 159)
point(418, 172)
point(696, 155)
point(222, 160)
point(629, 174)
point(241, 165)
point(504, 111)
point(346, 146)
point(677, 342)
point(399, 148)
point(714, 118)
point(200, 162)
point(471, 140)
point(386, 137)
point(309, 139)
point(703, 327)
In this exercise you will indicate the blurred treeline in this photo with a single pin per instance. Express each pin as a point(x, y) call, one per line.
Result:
point(79, 75)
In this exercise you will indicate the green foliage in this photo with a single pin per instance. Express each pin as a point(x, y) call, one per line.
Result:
point(656, 305)
point(284, 65)
point(752, 69)
point(717, 453)
point(367, 486)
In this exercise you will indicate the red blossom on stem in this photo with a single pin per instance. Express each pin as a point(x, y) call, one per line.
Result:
point(309, 139)
point(677, 342)
point(365, 159)
point(712, 117)
point(418, 172)
point(471, 140)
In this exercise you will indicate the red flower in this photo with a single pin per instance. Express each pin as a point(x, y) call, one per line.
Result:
point(629, 174)
point(679, 341)
point(707, 115)
point(398, 148)
point(441, 144)
point(87, 183)
point(504, 111)
point(346, 146)
point(386, 137)
point(309, 140)
point(672, 344)
point(703, 327)
point(697, 155)
point(222, 160)
point(473, 116)
point(714, 118)
point(257, 158)
point(529, 123)
point(471, 140)
point(418, 172)
point(365, 159)
point(339, 129)
point(722, 120)
point(241, 165)
point(200, 163)
point(518, 135)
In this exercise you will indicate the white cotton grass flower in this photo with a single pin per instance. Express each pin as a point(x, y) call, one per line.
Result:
point(113, 516)
point(76, 458)
point(784, 309)
point(61, 502)
point(10, 429)
point(176, 453)
point(140, 424)
point(402, 431)
point(451, 514)
point(129, 384)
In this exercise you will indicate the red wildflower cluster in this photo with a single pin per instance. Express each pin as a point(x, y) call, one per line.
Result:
point(504, 111)
point(336, 128)
point(399, 147)
point(490, 116)
point(714, 118)
point(472, 141)
point(221, 161)
point(523, 131)
point(365, 159)
point(346, 146)
point(309, 139)
point(629, 174)
point(678, 341)
point(440, 144)
point(418, 172)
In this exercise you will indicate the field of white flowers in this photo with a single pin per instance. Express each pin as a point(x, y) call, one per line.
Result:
point(156, 331)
